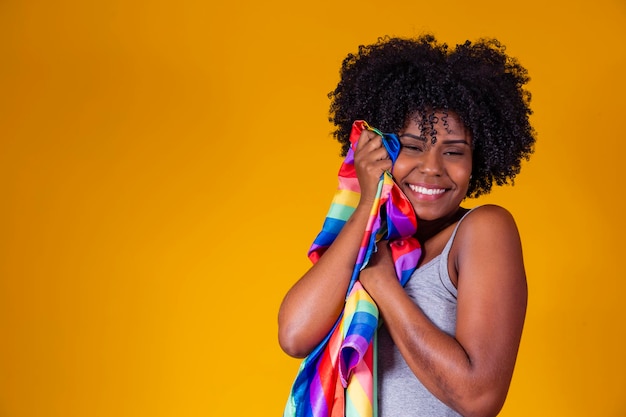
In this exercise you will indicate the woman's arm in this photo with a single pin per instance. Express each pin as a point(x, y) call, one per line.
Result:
point(314, 303)
point(470, 372)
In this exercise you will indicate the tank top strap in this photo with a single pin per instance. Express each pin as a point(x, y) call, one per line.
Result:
point(443, 265)
point(446, 249)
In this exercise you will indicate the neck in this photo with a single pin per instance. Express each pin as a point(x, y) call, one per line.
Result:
point(426, 229)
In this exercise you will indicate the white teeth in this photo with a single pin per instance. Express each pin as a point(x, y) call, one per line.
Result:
point(427, 191)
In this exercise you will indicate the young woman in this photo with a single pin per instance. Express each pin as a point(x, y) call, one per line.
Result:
point(449, 338)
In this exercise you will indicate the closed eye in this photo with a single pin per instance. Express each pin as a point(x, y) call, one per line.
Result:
point(412, 142)
point(412, 148)
point(456, 147)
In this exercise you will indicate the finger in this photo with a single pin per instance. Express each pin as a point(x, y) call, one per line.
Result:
point(379, 153)
point(381, 166)
point(367, 137)
point(373, 150)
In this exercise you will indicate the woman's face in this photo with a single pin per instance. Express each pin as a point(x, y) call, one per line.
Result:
point(435, 176)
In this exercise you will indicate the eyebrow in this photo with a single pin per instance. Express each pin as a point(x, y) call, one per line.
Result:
point(451, 141)
point(423, 139)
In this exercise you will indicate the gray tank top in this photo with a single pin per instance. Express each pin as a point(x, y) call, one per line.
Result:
point(400, 393)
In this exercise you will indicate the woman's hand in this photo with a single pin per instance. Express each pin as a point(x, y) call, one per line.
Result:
point(370, 161)
point(380, 268)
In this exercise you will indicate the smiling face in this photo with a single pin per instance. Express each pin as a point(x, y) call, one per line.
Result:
point(434, 166)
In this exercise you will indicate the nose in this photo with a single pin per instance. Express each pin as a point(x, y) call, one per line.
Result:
point(431, 163)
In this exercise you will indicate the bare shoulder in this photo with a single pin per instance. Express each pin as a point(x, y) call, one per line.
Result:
point(489, 219)
point(486, 233)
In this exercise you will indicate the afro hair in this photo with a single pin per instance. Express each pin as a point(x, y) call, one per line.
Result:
point(395, 79)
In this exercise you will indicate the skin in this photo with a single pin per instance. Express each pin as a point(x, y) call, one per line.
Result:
point(471, 371)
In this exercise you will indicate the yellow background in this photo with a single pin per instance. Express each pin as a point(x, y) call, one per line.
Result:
point(164, 167)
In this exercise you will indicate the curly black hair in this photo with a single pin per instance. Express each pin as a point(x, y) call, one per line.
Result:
point(395, 79)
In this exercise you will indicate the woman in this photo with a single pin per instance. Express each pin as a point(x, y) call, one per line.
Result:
point(449, 338)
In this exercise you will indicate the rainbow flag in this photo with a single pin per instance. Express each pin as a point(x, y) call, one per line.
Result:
point(338, 378)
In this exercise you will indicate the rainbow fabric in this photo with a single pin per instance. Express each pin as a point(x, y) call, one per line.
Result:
point(338, 378)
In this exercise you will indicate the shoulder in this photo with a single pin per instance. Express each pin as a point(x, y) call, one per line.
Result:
point(487, 218)
point(486, 231)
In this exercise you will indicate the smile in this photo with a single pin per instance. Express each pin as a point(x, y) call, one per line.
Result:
point(427, 191)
